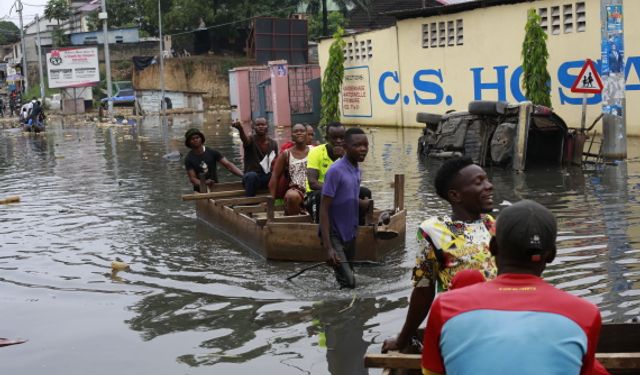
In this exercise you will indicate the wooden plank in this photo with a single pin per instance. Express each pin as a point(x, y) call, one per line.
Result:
point(398, 203)
point(619, 361)
point(392, 360)
point(292, 219)
point(250, 209)
point(240, 201)
point(396, 360)
point(213, 195)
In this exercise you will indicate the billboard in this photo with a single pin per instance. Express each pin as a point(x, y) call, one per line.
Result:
point(73, 67)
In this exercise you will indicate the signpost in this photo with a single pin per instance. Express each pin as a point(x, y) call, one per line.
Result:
point(587, 82)
point(73, 68)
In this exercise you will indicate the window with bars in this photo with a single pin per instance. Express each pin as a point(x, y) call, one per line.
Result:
point(442, 34)
point(358, 50)
point(564, 19)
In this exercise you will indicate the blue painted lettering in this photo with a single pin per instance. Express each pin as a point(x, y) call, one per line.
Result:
point(383, 77)
point(428, 87)
point(515, 85)
point(500, 84)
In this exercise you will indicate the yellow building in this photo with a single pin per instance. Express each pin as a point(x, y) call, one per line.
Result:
point(439, 59)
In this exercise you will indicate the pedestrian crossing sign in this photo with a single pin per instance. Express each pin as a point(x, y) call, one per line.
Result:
point(588, 81)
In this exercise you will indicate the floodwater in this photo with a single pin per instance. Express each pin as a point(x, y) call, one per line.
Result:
point(195, 302)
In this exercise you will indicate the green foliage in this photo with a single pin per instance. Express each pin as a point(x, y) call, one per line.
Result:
point(122, 13)
point(58, 10)
point(9, 32)
point(332, 81)
point(335, 20)
point(534, 61)
point(59, 38)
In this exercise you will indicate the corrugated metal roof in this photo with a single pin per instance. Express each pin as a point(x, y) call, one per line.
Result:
point(449, 9)
point(378, 15)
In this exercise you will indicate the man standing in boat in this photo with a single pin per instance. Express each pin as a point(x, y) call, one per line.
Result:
point(516, 323)
point(201, 161)
point(260, 151)
point(339, 207)
point(318, 162)
point(448, 244)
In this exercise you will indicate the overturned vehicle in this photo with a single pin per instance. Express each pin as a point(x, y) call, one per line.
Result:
point(496, 133)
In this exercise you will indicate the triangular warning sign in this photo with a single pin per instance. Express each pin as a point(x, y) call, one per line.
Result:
point(588, 80)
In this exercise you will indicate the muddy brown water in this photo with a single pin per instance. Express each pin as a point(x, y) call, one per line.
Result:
point(195, 302)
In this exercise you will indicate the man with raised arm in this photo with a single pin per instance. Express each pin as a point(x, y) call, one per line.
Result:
point(260, 151)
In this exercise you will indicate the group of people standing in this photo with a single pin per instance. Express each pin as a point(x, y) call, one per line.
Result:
point(477, 279)
point(322, 180)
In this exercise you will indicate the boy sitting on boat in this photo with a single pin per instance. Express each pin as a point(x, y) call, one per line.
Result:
point(202, 162)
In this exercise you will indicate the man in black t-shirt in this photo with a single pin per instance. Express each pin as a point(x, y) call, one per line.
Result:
point(201, 161)
point(260, 151)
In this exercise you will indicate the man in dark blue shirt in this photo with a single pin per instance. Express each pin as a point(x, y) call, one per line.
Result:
point(339, 207)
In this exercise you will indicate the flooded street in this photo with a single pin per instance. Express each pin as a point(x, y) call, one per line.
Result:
point(195, 302)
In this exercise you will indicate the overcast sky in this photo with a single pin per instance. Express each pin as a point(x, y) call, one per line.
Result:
point(31, 8)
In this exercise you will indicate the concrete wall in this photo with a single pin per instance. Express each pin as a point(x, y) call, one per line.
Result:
point(188, 74)
point(363, 69)
point(407, 78)
point(150, 100)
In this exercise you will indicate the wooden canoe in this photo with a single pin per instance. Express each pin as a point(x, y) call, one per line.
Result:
point(618, 351)
point(260, 226)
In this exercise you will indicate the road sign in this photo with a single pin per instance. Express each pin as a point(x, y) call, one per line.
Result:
point(588, 80)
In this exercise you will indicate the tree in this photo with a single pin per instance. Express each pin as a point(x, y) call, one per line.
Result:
point(122, 13)
point(9, 32)
point(534, 61)
point(58, 10)
point(336, 20)
point(332, 81)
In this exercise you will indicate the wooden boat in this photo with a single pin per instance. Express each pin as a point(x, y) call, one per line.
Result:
point(258, 224)
point(618, 351)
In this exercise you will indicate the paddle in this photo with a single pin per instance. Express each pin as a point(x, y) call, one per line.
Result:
point(316, 265)
point(7, 342)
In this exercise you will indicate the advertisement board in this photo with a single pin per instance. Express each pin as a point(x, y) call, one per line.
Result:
point(73, 67)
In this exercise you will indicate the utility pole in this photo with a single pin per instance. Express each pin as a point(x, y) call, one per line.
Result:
point(614, 128)
point(107, 59)
point(163, 106)
point(40, 60)
point(25, 74)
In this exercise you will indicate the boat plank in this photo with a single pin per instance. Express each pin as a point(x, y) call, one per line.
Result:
point(213, 195)
point(396, 360)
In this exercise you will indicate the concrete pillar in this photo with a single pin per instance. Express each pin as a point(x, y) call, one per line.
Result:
point(279, 71)
point(240, 94)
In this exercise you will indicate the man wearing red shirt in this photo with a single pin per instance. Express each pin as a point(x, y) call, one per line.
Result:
point(516, 323)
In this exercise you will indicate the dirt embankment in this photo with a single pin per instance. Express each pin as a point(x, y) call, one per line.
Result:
point(205, 74)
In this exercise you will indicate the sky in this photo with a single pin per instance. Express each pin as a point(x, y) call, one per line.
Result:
point(31, 8)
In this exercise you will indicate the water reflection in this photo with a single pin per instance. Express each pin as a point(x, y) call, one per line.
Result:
point(195, 301)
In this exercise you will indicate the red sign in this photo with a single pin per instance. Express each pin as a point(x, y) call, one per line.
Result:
point(588, 80)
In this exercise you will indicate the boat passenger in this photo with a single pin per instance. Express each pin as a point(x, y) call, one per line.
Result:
point(499, 326)
point(260, 152)
point(35, 118)
point(202, 161)
point(340, 206)
point(292, 165)
point(311, 136)
point(318, 162)
point(448, 244)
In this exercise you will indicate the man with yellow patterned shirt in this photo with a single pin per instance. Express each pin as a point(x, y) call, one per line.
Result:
point(449, 244)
